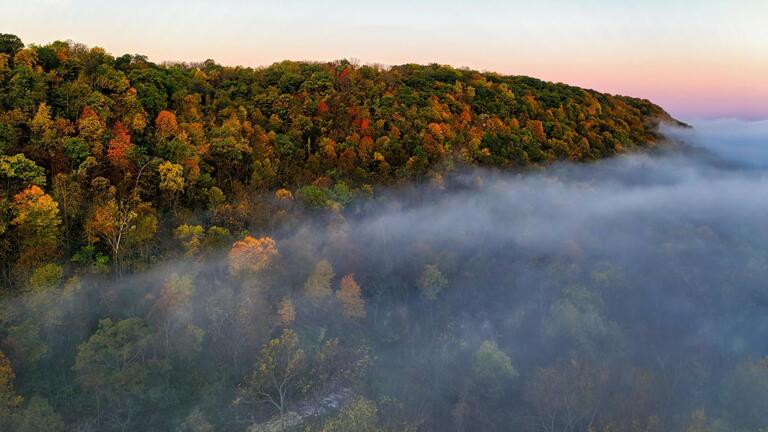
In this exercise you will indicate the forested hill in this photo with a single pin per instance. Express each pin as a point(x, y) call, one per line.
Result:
point(85, 133)
point(291, 123)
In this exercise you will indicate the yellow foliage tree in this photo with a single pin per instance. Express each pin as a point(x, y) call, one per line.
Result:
point(37, 217)
point(318, 286)
point(171, 177)
point(286, 313)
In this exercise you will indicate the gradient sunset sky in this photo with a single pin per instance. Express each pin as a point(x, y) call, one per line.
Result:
point(697, 58)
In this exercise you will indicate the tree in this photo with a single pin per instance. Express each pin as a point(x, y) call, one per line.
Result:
point(191, 236)
point(252, 255)
point(43, 132)
point(318, 287)
point(216, 198)
point(92, 130)
point(286, 312)
point(432, 282)
point(111, 221)
point(196, 421)
point(9, 401)
point(165, 125)
point(141, 237)
point(350, 297)
point(360, 415)
point(491, 367)
point(275, 376)
point(172, 313)
point(567, 395)
point(537, 129)
point(68, 191)
point(17, 172)
point(10, 43)
point(119, 147)
point(171, 178)
point(115, 366)
point(39, 416)
point(37, 219)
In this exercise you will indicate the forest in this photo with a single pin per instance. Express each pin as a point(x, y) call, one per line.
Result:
point(345, 247)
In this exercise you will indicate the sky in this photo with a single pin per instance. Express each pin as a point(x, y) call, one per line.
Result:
point(699, 59)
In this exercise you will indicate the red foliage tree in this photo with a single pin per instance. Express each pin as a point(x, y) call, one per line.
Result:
point(117, 152)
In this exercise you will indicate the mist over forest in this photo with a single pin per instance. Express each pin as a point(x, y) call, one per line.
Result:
point(340, 247)
point(627, 294)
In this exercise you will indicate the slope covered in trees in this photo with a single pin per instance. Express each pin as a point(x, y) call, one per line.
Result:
point(337, 247)
point(98, 150)
point(91, 145)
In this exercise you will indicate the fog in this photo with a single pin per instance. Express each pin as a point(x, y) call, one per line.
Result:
point(629, 294)
point(653, 262)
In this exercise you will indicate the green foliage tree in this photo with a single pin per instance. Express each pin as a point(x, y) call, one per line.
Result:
point(432, 282)
point(10, 43)
point(275, 376)
point(116, 367)
point(39, 416)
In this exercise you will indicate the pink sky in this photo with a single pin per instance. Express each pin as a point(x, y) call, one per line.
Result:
point(696, 58)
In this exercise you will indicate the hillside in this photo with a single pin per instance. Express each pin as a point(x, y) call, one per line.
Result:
point(290, 123)
point(91, 129)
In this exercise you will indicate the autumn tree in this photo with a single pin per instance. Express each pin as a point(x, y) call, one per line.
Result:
point(350, 297)
point(92, 129)
point(110, 221)
point(171, 179)
point(252, 255)
point(318, 287)
point(9, 400)
point(286, 312)
point(191, 236)
point(138, 241)
point(118, 150)
point(536, 127)
point(37, 217)
point(44, 139)
point(165, 125)
point(38, 226)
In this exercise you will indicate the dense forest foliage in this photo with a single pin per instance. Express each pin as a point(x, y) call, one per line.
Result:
point(193, 247)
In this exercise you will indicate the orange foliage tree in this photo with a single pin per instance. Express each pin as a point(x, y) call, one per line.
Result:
point(350, 297)
point(252, 255)
point(165, 125)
